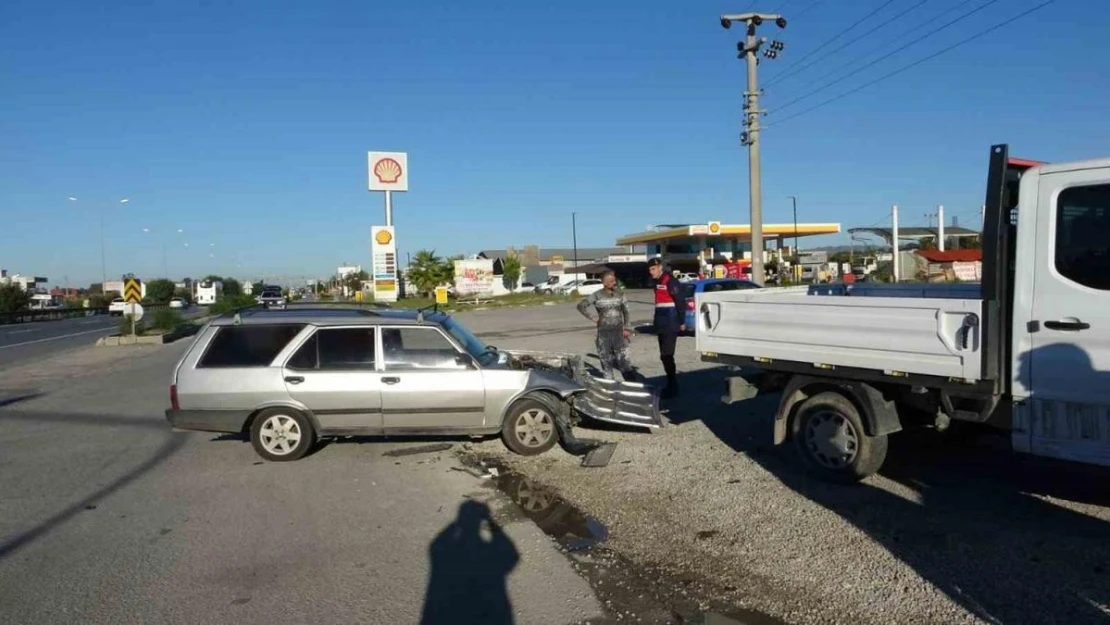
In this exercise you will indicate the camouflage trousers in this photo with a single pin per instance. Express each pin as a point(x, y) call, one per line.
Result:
point(612, 351)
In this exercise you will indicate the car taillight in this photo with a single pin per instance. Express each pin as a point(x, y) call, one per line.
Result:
point(173, 397)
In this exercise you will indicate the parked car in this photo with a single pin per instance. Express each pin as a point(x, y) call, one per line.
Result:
point(687, 277)
point(178, 302)
point(117, 307)
point(567, 288)
point(289, 377)
point(586, 287)
point(709, 285)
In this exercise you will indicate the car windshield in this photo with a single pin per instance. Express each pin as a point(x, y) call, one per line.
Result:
point(472, 344)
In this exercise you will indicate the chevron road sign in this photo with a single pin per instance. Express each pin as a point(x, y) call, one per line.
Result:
point(133, 291)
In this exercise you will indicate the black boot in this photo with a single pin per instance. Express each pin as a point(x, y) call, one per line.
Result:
point(671, 389)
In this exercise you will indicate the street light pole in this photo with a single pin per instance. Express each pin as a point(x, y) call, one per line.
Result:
point(794, 201)
point(574, 237)
point(103, 253)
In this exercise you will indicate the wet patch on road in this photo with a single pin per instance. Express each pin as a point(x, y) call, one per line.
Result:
point(629, 592)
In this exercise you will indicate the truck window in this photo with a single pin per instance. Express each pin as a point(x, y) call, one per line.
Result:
point(1083, 235)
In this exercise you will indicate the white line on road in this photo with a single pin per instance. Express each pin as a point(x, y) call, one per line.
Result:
point(54, 338)
point(23, 331)
point(85, 323)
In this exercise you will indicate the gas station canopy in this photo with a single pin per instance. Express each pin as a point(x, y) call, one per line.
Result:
point(676, 233)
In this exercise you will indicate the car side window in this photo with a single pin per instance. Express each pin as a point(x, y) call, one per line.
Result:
point(344, 349)
point(418, 348)
point(307, 356)
point(248, 346)
point(1083, 235)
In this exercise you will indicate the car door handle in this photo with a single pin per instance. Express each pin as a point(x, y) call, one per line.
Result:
point(294, 379)
point(1071, 325)
point(391, 380)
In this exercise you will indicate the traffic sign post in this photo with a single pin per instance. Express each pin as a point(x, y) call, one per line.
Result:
point(133, 294)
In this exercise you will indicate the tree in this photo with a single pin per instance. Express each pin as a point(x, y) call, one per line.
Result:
point(13, 298)
point(511, 272)
point(353, 281)
point(448, 269)
point(160, 291)
point(232, 288)
point(427, 271)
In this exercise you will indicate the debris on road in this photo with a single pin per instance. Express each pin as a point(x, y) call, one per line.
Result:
point(419, 449)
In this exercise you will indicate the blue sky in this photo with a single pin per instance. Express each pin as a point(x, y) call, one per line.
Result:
point(245, 123)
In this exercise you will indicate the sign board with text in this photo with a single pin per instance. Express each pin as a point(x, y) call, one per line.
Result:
point(389, 171)
point(714, 228)
point(383, 268)
point(474, 277)
point(441, 295)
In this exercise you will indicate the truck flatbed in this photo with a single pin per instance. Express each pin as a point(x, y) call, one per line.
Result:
point(896, 337)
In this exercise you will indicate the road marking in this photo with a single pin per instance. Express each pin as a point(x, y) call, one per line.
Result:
point(55, 338)
point(85, 323)
point(23, 331)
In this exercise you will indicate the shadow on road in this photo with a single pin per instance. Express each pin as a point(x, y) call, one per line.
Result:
point(171, 444)
point(470, 564)
point(15, 399)
point(992, 530)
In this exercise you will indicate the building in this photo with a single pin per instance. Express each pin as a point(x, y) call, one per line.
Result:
point(695, 247)
point(30, 284)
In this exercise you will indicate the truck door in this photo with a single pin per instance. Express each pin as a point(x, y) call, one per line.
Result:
point(1063, 366)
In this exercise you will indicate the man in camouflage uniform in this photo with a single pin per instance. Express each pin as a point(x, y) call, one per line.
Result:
point(613, 330)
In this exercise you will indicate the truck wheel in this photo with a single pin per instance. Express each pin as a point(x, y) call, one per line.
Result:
point(530, 428)
point(281, 434)
point(830, 437)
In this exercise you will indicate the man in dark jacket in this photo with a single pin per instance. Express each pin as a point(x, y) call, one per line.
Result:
point(669, 320)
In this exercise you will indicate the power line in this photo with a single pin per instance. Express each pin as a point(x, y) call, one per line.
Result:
point(914, 64)
point(807, 9)
point(787, 73)
point(834, 38)
point(886, 56)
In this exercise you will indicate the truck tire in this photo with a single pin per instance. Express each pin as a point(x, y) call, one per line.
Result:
point(529, 428)
point(830, 437)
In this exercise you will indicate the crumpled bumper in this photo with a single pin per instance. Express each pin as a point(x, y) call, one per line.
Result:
point(615, 401)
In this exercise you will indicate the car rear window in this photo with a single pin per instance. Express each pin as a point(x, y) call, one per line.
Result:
point(688, 290)
point(248, 346)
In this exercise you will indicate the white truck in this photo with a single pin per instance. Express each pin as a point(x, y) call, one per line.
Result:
point(1028, 352)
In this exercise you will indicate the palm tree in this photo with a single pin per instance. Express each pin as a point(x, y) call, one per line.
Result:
point(511, 272)
point(426, 271)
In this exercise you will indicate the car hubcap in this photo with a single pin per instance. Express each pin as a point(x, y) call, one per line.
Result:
point(280, 434)
point(534, 427)
point(831, 439)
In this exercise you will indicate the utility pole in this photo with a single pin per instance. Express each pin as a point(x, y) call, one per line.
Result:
point(749, 50)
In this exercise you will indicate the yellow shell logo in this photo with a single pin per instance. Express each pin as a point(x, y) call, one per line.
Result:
point(714, 228)
point(383, 237)
point(387, 171)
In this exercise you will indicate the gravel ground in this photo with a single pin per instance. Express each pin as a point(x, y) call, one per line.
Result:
point(952, 531)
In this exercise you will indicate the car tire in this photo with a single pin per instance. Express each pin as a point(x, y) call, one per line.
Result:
point(529, 428)
point(282, 434)
point(829, 436)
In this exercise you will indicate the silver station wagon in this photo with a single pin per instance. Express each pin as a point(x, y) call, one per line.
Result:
point(290, 377)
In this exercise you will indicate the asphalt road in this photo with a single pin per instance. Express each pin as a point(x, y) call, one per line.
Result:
point(26, 342)
point(107, 516)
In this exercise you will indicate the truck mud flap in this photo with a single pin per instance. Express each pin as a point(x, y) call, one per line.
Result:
point(623, 403)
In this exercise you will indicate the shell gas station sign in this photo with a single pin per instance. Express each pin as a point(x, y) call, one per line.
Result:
point(713, 228)
point(383, 251)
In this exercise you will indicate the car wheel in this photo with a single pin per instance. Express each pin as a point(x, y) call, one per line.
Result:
point(282, 434)
point(830, 437)
point(530, 428)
